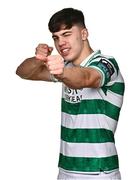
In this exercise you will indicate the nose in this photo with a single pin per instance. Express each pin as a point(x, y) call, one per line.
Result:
point(61, 41)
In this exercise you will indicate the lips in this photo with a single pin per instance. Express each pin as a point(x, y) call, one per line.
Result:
point(64, 51)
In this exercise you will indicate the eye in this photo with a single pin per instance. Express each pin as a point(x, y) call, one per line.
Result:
point(55, 38)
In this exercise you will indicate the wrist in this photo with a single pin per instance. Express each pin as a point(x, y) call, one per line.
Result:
point(60, 77)
point(53, 78)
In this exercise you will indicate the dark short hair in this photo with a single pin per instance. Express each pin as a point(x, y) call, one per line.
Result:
point(65, 19)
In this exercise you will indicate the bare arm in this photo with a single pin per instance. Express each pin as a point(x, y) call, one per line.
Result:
point(33, 69)
point(77, 77)
point(73, 77)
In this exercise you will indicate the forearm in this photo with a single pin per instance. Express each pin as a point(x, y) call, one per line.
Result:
point(77, 77)
point(28, 67)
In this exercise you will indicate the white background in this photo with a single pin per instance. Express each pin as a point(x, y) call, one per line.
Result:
point(30, 111)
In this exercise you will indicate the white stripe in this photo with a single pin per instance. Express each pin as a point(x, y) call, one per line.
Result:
point(89, 93)
point(113, 98)
point(88, 121)
point(119, 79)
point(88, 149)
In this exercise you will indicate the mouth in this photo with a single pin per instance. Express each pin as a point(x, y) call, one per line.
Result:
point(64, 51)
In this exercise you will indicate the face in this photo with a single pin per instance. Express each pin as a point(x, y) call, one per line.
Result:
point(70, 43)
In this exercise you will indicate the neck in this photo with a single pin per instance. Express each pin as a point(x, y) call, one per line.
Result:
point(86, 51)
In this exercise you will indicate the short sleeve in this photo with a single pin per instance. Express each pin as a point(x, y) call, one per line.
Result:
point(107, 67)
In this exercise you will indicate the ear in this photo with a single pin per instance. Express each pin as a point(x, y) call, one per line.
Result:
point(84, 34)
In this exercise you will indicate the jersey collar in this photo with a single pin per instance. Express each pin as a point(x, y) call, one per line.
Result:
point(93, 55)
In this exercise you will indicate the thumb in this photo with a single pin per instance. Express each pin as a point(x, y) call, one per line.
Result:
point(50, 50)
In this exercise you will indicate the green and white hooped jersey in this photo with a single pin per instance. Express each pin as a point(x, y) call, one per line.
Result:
point(89, 120)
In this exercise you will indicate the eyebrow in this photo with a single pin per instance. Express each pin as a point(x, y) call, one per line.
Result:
point(67, 31)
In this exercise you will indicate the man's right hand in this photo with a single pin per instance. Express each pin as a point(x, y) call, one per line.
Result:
point(42, 51)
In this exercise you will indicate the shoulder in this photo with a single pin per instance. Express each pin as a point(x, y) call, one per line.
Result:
point(106, 65)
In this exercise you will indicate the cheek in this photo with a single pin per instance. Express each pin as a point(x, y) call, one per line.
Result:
point(77, 45)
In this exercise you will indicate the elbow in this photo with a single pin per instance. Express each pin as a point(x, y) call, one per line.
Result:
point(20, 73)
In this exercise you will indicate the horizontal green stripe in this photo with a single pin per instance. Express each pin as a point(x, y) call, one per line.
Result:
point(86, 135)
point(96, 106)
point(88, 164)
point(118, 88)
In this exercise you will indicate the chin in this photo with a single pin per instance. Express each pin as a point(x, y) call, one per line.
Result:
point(67, 58)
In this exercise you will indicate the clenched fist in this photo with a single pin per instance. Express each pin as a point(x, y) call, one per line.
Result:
point(55, 64)
point(42, 51)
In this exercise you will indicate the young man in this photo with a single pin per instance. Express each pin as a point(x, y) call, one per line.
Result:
point(92, 97)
